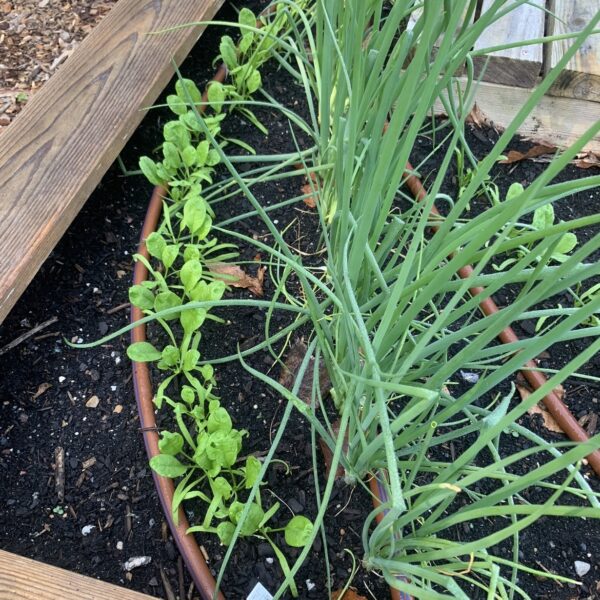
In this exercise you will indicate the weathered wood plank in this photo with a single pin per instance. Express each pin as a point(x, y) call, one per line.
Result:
point(25, 579)
point(581, 78)
point(55, 152)
point(555, 121)
point(518, 66)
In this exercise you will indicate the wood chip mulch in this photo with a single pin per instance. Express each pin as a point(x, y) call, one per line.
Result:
point(36, 37)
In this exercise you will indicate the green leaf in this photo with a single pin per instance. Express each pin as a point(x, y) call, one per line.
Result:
point(170, 355)
point(221, 487)
point(167, 466)
point(253, 81)
point(216, 95)
point(543, 217)
point(515, 189)
point(188, 395)
point(228, 52)
point(166, 300)
point(298, 531)
point(222, 448)
point(141, 297)
point(149, 169)
point(192, 318)
point(201, 293)
point(204, 230)
point(567, 242)
point(188, 156)
point(171, 154)
point(225, 531)
point(155, 244)
point(194, 214)
point(213, 158)
point(247, 18)
point(246, 41)
point(219, 420)
point(176, 104)
point(190, 274)
point(207, 371)
point(170, 443)
point(251, 470)
point(253, 519)
point(202, 152)
point(185, 88)
point(216, 289)
point(177, 133)
point(169, 255)
point(190, 360)
point(143, 352)
point(191, 252)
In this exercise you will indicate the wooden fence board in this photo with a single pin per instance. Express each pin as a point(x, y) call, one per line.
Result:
point(519, 66)
point(551, 121)
point(55, 152)
point(581, 78)
point(25, 579)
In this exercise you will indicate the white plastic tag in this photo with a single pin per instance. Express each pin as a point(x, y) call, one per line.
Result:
point(259, 593)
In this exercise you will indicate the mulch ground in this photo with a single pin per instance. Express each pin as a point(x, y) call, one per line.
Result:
point(36, 38)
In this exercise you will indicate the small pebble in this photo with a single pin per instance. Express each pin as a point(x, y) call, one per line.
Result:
point(119, 545)
point(136, 561)
point(310, 586)
point(582, 568)
point(87, 529)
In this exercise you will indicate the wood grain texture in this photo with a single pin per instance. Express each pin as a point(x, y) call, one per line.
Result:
point(554, 121)
point(55, 152)
point(519, 66)
point(25, 579)
point(581, 78)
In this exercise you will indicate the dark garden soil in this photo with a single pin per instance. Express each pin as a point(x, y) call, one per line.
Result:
point(54, 399)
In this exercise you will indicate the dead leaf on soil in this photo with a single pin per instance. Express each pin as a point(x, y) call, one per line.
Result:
point(43, 387)
point(514, 156)
point(349, 594)
point(309, 189)
point(587, 160)
point(539, 409)
point(477, 116)
point(235, 277)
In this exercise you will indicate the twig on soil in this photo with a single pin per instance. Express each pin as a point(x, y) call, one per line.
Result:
point(27, 335)
point(166, 585)
point(548, 571)
point(59, 475)
point(114, 309)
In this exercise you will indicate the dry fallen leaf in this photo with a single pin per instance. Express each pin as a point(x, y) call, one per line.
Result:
point(310, 190)
point(539, 409)
point(514, 156)
point(476, 116)
point(234, 276)
point(587, 160)
point(43, 387)
point(93, 402)
point(349, 594)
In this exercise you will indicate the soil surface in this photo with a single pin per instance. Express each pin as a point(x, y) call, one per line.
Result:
point(36, 38)
point(56, 401)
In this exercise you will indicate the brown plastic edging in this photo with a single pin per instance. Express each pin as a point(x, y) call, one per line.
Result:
point(556, 407)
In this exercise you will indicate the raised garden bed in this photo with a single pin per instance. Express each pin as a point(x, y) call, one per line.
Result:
point(81, 401)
